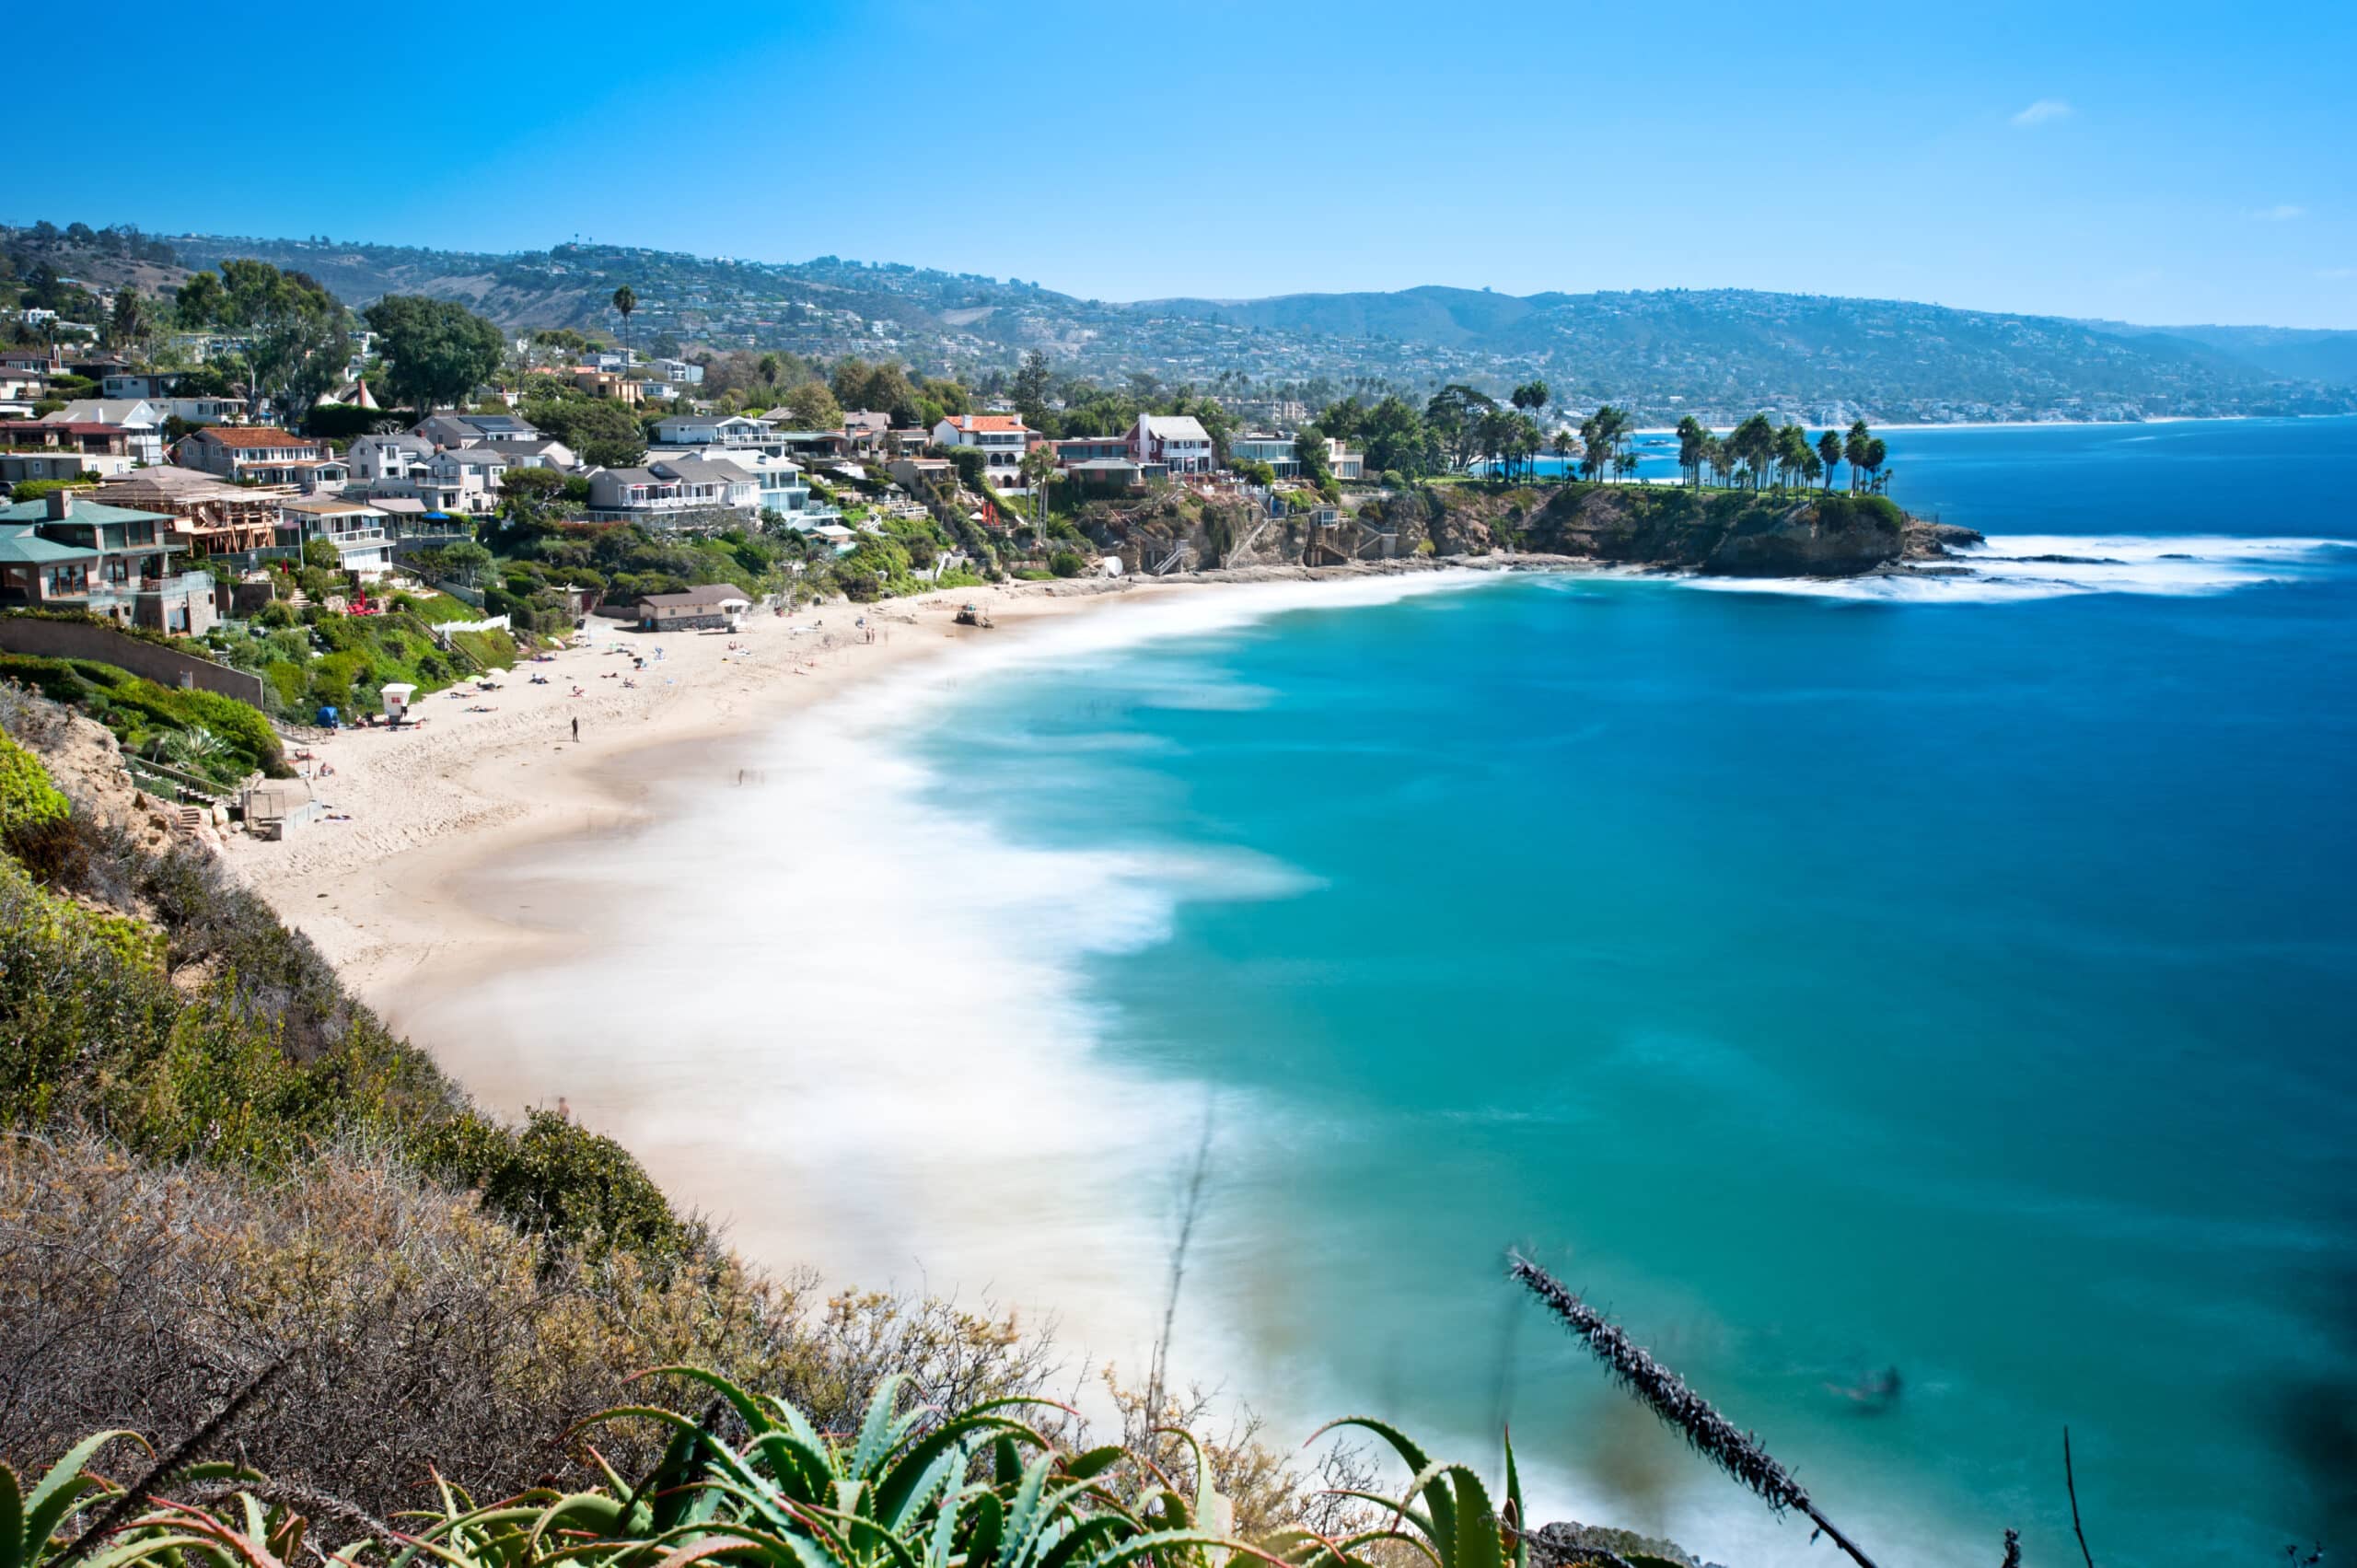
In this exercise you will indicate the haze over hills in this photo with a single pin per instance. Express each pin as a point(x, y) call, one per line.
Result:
point(1720, 354)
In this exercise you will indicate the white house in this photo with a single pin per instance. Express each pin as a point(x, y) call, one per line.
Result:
point(375, 459)
point(354, 528)
point(141, 421)
point(461, 479)
point(1176, 441)
point(1002, 438)
point(714, 430)
point(671, 491)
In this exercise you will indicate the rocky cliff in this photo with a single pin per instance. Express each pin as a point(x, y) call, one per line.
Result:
point(1729, 533)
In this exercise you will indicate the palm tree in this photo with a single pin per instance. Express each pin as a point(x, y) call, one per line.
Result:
point(1876, 453)
point(1855, 451)
point(1567, 446)
point(625, 301)
point(1792, 452)
point(1693, 443)
point(1828, 453)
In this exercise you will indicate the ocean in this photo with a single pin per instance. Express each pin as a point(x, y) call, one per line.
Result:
point(1950, 978)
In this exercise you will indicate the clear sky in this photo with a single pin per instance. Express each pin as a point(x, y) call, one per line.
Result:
point(2162, 162)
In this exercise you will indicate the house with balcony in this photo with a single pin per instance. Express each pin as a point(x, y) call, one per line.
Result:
point(679, 372)
point(1265, 446)
point(142, 419)
point(202, 411)
point(461, 481)
point(43, 449)
point(376, 460)
point(779, 479)
point(714, 430)
point(355, 528)
point(675, 492)
point(1345, 463)
point(536, 452)
point(66, 552)
point(1176, 441)
point(251, 453)
point(473, 429)
point(1001, 438)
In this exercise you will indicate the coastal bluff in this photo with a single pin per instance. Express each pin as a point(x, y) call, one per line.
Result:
point(1736, 533)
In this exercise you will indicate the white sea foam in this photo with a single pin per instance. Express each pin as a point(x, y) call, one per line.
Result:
point(2013, 568)
point(854, 1024)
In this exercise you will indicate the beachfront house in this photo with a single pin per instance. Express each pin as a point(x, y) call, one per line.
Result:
point(675, 491)
point(1001, 438)
point(1345, 463)
point(711, 606)
point(355, 528)
point(715, 430)
point(1179, 442)
point(1265, 446)
point(63, 551)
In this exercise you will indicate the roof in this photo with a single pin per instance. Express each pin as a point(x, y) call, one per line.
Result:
point(711, 594)
point(20, 546)
point(255, 436)
point(101, 411)
point(704, 471)
point(51, 427)
point(998, 423)
point(1174, 427)
point(326, 505)
point(82, 511)
point(173, 484)
point(476, 456)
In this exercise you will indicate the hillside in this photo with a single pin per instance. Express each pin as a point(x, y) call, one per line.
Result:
point(1720, 354)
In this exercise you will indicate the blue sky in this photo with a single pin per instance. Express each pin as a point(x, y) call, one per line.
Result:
point(2159, 163)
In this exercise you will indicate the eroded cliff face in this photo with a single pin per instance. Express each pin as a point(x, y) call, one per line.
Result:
point(1731, 533)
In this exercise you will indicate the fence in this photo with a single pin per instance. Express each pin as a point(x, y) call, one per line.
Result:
point(165, 666)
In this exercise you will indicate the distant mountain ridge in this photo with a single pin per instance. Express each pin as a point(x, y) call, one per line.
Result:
point(1719, 354)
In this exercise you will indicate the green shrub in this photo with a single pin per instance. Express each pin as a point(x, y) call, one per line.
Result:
point(28, 799)
point(1064, 563)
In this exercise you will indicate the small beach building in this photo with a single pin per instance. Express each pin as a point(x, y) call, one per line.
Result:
point(711, 606)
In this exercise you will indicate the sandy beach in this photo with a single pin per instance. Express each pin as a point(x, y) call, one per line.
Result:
point(491, 772)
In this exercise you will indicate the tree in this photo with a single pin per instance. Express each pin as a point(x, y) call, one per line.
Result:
point(1032, 384)
point(626, 302)
point(1877, 453)
point(812, 407)
point(467, 558)
point(199, 302)
point(1396, 438)
point(1454, 413)
point(296, 333)
point(1531, 397)
point(437, 351)
point(1693, 445)
point(1829, 455)
point(1791, 453)
point(1039, 470)
point(600, 429)
point(1309, 450)
point(128, 326)
point(1854, 451)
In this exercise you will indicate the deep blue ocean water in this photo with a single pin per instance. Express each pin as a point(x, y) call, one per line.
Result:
point(1956, 978)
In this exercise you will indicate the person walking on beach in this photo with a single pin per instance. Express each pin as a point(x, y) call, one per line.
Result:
point(576, 729)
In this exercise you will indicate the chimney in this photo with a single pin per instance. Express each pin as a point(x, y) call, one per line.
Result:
point(61, 504)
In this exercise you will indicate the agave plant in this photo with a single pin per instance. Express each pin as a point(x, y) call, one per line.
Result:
point(912, 1488)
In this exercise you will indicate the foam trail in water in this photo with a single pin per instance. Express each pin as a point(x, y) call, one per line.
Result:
point(2013, 568)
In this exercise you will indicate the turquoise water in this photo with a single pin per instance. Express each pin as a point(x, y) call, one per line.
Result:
point(1956, 977)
